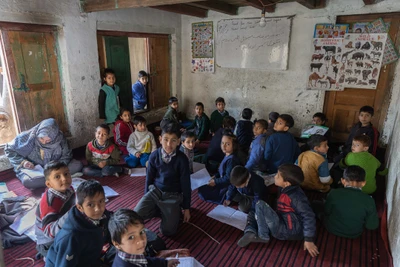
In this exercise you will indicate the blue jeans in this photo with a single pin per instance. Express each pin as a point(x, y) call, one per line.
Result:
point(96, 171)
point(133, 161)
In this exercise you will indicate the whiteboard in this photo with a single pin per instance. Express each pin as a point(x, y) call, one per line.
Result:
point(243, 43)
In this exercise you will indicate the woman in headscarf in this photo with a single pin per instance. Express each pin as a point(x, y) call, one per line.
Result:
point(38, 146)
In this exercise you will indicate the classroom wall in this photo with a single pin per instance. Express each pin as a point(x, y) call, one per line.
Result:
point(79, 66)
point(265, 91)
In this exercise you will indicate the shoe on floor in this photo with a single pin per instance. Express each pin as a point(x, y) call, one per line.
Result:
point(250, 237)
point(127, 171)
point(116, 174)
point(77, 174)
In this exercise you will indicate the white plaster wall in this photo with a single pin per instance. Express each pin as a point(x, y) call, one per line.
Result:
point(77, 44)
point(266, 91)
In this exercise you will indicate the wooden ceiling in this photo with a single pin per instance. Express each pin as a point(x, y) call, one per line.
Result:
point(198, 8)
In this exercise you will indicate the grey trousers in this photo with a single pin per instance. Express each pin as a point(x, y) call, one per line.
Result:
point(167, 204)
point(74, 166)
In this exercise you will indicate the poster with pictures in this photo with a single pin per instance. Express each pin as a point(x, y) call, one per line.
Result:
point(389, 54)
point(327, 30)
point(362, 59)
point(360, 27)
point(202, 47)
point(324, 65)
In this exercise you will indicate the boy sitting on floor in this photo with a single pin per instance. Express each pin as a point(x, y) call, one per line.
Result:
point(201, 123)
point(281, 147)
point(272, 118)
point(129, 237)
point(171, 116)
point(140, 144)
point(360, 156)
point(293, 220)
point(314, 164)
point(187, 147)
point(218, 115)
point(348, 210)
point(54, 205)
point(84, 239)
point(244, 134)
point(167, 186)
point(256, 160)
point(247, 189)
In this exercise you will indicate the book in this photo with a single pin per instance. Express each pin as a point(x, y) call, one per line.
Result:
point(35, 172)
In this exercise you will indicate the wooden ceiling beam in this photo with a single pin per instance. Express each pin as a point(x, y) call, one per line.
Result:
point(217, 6)
point(269, 5)
point(102, 5)
point(314, 4)
point(369, 2)
point(184, 10)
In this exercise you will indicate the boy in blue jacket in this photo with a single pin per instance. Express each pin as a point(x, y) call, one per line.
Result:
point(281, 147)
point(129, 237)
point(256, 161)
point(84, 239)
point(167, 187)
point(293, 220)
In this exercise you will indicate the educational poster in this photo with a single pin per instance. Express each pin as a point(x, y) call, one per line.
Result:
point(202, 47)
point(360, 27)
point(327, 30)
point(325, 64)
point(362, 59)
point(389, 54)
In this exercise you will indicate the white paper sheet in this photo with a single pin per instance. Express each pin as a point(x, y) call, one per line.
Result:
point(229, 216)
point(187, 262)
point(3, 187)
point(22, 223)
point(31, 233)
point(138, 172)
point(199, 178)
point(198, 166)
point(76, 182)
point(109, 192)
point(35, 172)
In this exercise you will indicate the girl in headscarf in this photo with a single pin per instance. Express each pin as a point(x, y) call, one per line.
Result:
point(38, 146)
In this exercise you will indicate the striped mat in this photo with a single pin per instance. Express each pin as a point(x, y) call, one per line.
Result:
point(368, 250)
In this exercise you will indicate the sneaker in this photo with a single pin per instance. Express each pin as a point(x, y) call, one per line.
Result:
point(250, 237)
point(127, 171)
point(116, 174)
point(77, 174)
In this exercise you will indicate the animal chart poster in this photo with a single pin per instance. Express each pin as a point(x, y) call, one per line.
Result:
point(325, 64)
point(389, 54)
point(327, 30)
point(202, 47)
point(362, 59)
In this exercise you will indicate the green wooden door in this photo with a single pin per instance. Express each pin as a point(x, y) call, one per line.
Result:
point(117, 53)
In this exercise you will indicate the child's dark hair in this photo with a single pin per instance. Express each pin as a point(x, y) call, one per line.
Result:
point(363, 139)
point(229, 133)
point(108, 71)
point(320, 115)
point(291, 173)
point(289, 122)
point(263, 123)
point(121, 111)
point(354, 173)
point(53, 166)
point(138, 119)
point(316, 140)
point(142, 73)
point(120, 221)
point(247, 113)
point(188, 134)
point(367, 109)
point(199, 104)
point(172, 99)
point(273, 116)
point(88, 188)
point(239, 175)
point(219, 100)
point(228, 122)
point(105, 127)
point(171, 128)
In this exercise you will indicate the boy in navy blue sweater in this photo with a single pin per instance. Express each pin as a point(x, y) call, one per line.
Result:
point(244, 134)
point(281, 147)
point(129, 237)
point(256, 160)
point(293, 220)
point(167, 187)
point(84, 239)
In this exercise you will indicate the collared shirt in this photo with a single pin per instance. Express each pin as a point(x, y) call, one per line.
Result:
point(95, 222)
point(63, 196)
point(133, 258)
point(222, 113)
point(167, 157)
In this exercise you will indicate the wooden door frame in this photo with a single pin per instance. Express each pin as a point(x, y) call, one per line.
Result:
point(102, 60)
point(390, 68)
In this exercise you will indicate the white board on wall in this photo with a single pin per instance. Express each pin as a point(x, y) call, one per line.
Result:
point(243, 43)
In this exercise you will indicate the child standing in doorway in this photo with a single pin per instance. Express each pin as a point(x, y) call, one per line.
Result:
point(108, 97)
point(139, 93)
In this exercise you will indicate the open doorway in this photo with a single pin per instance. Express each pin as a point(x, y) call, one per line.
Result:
point(128, 54)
